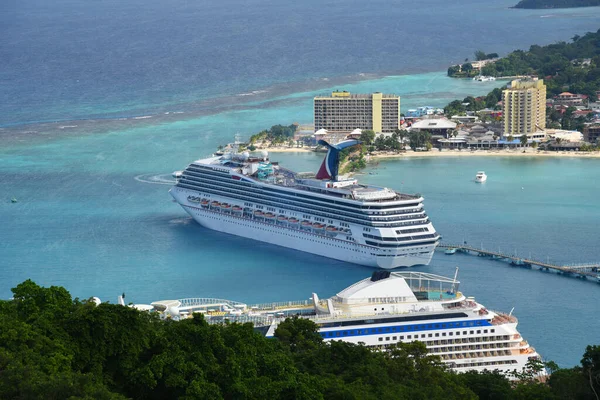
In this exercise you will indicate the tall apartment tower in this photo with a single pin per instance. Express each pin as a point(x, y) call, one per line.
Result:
point(344, 112)
point(524, 107)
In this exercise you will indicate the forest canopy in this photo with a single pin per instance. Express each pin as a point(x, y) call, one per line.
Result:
point(56, 347)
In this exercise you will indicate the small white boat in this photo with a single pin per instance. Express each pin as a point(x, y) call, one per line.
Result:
point(450, 250)
point(480, 177)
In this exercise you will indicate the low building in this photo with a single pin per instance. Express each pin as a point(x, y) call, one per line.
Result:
point(564, 135)
point(568, 99)
point(464, 119)
point(591, 133)
point(420, 112)
point(435, 126)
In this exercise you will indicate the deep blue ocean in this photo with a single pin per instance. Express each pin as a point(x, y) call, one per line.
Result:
point(97, 99)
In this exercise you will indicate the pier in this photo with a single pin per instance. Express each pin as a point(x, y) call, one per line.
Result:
point(583, 271)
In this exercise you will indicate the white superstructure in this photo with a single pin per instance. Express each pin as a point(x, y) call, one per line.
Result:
point(336, 218)
point(386, 309)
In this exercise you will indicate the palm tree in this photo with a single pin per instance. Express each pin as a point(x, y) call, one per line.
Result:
point(523, 140)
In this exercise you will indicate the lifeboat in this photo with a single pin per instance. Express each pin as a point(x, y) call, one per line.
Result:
point(270, 215)
point(204, 203)
point(226, 206)
point(305, 223)
point(318, 226)
point(282, 218)
point(236, 209)
point(331, 230)
point(215, 204)
point(259, 213)
point(293, 220)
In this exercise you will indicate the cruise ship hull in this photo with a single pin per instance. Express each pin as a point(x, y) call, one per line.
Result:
point(296, 239)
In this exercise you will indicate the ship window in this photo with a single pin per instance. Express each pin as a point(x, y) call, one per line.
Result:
point(430, 335)
point(437, 335)
point(395, 338)
point(401, 337)
point(471, 332)
point(479, 331)
point(381, 339)
point(408, 336)
point(387, 338)
point(493, 330)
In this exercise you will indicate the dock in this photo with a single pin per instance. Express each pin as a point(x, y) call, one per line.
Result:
point(583, 271)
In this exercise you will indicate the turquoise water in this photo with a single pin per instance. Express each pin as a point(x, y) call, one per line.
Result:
point(87, 218)
point(85, 223)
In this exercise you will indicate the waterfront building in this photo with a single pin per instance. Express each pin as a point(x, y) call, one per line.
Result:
point(437, 126)
point(524, 107)
point(424, 111)
point(344, 112)
point(591, 133)
point(564, 135)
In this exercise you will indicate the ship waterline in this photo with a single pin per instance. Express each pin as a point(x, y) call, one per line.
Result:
point(323, 215)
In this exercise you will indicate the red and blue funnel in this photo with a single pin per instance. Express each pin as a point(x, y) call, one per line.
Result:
point(331, 163)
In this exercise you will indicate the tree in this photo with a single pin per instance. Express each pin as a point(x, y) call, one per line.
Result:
point(480, 55)
point(298, 334)
point(510, 138)
point(487, 384)
point(402, 135)
point(523, 139)
point(453, 70)
point(367, 136)
point(591, 368)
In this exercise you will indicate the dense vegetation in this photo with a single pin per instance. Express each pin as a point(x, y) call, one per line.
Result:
point(470, 103)
point(560, 65)
point(276, 135)
point(556, 3)
point(54, 347)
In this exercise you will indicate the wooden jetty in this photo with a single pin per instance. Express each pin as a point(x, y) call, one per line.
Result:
point(585, 271)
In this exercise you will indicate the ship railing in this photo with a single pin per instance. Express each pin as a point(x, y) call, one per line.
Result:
point(281, 305)
point(503, 318)
point(207, 302)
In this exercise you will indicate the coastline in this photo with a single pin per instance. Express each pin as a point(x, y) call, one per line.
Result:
point(527, 152)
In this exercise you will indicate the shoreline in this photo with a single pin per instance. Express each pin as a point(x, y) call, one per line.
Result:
point(528, 152)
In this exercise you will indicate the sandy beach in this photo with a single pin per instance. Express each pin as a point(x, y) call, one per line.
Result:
point(527, 152)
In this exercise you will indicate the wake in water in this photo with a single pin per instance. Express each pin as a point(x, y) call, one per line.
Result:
point(162, 179)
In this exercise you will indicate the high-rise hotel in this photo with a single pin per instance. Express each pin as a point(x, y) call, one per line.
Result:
point(524, 107)
point(344, 112)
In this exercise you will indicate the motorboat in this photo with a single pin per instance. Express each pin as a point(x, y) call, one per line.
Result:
point(480, 177)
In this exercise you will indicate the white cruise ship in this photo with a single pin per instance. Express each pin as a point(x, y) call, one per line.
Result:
point(336, 218)
point(388, 308)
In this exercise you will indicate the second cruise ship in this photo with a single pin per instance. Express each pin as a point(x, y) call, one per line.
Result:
point(253, 197)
